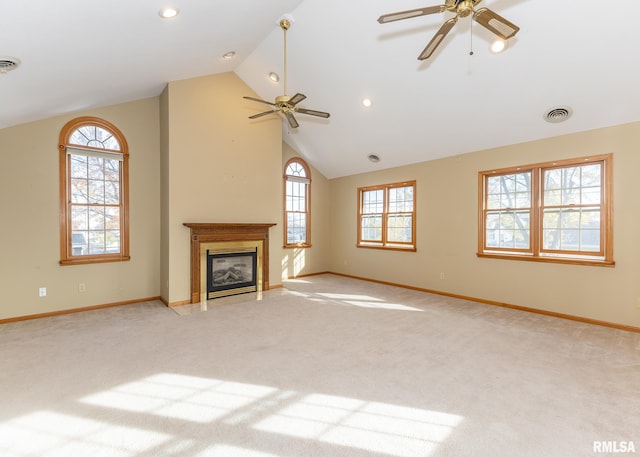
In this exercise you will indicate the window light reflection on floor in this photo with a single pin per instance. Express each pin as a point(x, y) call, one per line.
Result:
point(392, 306)
point(133, 419)
point(227, 451)
point(365, 301)
point(372, 426)
point(181, 397)
point(48, 433)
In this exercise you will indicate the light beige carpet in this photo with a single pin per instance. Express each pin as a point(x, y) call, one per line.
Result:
point(327, 366)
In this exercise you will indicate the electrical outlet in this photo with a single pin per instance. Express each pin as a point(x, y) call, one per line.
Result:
point(81, 287)
point(42, 292)
point(441, 275)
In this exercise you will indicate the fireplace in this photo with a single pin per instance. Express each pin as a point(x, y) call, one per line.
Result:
point(217, 240)
point(231, 273)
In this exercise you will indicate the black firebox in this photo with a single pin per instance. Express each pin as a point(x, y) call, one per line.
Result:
point(231, 273)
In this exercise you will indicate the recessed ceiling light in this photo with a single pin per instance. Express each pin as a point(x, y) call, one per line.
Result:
point(229, 55)
point(373, 158)
point(498, 46)
point(366, 102)
point(169, 12)
point(273, 76)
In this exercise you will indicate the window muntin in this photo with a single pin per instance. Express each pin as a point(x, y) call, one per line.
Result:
point(560, 211)
point(93, 183)
point(386, 216)
point(297, 204)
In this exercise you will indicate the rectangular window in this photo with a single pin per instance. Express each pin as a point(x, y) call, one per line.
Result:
point(386, 216)
point(296, 202)
point(557, 211)
point(94, 189)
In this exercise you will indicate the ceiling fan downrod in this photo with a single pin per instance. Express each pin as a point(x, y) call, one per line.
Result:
point(284, 25)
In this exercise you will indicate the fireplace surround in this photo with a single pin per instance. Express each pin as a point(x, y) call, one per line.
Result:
point(225, 238)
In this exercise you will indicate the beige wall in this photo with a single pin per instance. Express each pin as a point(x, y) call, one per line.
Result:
point(447, 232)
point(29, 202)
point(300, 262)
point(196, 158)
point(220, 167)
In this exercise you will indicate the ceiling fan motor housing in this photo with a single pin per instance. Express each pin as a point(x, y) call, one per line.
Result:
point(283, 100)
point(462, 8)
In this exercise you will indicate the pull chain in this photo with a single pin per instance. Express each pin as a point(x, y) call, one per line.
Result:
point(471, 37)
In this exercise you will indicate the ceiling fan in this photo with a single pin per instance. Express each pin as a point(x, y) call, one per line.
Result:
point(463, 8)
point(285, 104)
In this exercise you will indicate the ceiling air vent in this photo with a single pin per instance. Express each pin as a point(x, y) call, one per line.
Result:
point(559, 114)
point(7, 64)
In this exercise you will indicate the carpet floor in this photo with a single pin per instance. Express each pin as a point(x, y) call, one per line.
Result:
point(327, 366)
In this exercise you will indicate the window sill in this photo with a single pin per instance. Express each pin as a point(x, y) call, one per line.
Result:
point(563, 260)
point(388, 248)
point(295, 246)
point(90, 260)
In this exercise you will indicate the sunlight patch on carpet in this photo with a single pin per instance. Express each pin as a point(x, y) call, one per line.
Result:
point(123, 418)
point(54, 434)
point(229, 451)
point(371, 426)
point(366, 301)
point(180, 397)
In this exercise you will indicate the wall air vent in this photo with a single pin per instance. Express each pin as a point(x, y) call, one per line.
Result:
point(559, 114)
point(7, 64)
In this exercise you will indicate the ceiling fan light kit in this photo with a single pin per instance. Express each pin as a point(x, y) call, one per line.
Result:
point(487, 18)
point(285, 104)
point(498, 45)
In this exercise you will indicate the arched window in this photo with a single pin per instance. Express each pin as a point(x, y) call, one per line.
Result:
point(297, 216)
point(94, 203)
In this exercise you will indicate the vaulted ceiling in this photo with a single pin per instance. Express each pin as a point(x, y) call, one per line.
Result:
point(581, 55)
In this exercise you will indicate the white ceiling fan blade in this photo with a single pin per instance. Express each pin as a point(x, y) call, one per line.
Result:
point(292, 120)
point(496, 23)
point(437, 39)
point(259, 100)
point(313, 112)
point(256, 116)
point(297, 98)
point(410, 13)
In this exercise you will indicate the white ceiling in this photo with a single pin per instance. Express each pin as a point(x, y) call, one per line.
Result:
point(79, 54)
